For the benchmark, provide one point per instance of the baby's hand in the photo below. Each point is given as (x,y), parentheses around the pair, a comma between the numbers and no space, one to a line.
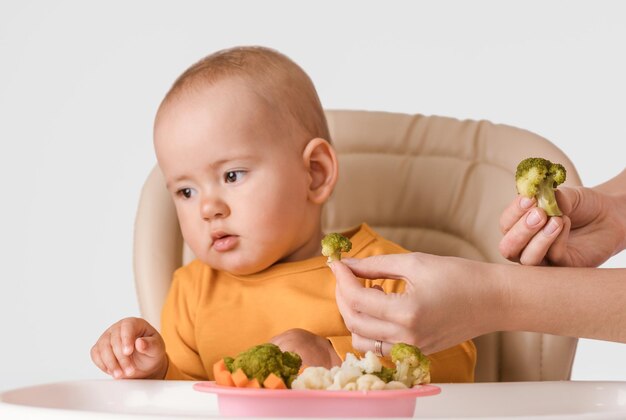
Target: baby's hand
(313,349)
(131,348)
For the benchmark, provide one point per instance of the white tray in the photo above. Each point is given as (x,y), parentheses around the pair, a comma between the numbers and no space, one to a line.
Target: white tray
(145,399)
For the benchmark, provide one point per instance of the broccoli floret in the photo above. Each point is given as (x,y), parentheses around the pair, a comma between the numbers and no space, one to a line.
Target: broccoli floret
(259,361)
(333,245)
(538,177)
(291,363)
(412,366)
(385,374)
(228,361)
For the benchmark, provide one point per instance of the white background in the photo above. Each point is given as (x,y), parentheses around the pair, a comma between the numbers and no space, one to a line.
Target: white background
(80,82)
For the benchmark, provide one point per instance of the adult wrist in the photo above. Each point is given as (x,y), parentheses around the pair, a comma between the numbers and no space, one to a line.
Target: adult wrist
(493,298)
(502,304)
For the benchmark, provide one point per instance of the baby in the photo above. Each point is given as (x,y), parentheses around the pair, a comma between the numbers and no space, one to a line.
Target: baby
(243,144)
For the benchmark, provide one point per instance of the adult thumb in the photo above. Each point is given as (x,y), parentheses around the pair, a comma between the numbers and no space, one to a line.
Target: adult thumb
(390,266)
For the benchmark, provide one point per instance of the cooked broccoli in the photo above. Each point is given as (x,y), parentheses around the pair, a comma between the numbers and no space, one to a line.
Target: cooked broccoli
(228,361)
(538,177)
(385,373)
(259,361)
(412,367)
(333,245)
(292,363)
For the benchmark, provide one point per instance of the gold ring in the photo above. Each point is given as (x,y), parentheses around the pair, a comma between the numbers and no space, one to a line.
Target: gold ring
(378,348)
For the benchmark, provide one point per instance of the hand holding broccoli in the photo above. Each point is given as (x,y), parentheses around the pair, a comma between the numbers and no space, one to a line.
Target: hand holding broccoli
(586,235)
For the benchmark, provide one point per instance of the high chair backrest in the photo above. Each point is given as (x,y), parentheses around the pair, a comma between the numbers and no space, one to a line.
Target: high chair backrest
(432,184)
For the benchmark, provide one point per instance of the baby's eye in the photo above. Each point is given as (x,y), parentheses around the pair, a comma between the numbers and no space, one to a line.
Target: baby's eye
(233,176)
(185,192)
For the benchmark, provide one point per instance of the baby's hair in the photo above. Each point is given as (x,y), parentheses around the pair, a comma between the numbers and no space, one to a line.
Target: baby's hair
(278,80)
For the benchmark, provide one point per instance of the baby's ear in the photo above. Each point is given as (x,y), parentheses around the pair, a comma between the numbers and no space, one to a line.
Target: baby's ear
(320,161)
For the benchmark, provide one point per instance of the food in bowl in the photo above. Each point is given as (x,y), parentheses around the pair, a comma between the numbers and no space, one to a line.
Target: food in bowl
(266,366)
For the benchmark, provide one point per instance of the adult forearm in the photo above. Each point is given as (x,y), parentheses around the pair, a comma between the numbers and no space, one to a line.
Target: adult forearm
(577,302)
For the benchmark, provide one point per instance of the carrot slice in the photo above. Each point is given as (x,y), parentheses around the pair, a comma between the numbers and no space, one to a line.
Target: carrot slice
(224,378)
(219,366)
(222,374)
(239,378)
(274,382)
(302,367)
(253,383)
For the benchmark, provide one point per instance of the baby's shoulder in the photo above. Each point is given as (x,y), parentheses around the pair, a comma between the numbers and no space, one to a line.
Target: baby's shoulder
(193,274)
(379,244)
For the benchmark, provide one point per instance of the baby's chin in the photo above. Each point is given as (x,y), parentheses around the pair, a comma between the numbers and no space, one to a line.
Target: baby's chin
(237,267)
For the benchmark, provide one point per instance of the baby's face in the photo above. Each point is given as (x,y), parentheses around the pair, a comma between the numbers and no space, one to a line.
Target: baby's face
(238,181)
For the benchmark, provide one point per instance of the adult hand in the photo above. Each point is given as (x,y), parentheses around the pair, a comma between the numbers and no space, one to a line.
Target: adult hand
(313,349)
(588,234)
(131,348)
(446,301)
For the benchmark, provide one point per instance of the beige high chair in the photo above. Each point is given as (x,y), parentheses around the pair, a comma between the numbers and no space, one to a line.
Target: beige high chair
(432,184)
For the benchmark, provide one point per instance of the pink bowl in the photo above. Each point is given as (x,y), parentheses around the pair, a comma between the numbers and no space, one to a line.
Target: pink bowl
(312,403)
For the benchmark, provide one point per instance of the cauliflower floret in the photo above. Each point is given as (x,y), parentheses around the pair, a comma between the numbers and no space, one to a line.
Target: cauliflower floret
(313,378)
(395,385)
(350,386)
(368,364)
(368,373)
(344,376)
(351,361)
(369,382)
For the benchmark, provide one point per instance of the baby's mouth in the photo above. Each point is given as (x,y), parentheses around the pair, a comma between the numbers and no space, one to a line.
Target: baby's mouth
(223,242)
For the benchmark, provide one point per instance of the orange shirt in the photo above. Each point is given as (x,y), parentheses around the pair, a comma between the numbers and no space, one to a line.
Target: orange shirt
(210,314)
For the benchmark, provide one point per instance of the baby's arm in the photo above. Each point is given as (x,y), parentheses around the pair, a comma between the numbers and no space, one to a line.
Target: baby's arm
(131,348)
(313,349)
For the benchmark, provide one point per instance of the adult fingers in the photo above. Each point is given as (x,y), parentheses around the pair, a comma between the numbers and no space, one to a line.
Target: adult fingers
(353,298)
(538,247)
(515,210)
(372,329)
(368,312)
(391,266)
(567,198)
(347,288)
(521,233)
(360,322)
(364,344)
(558,253)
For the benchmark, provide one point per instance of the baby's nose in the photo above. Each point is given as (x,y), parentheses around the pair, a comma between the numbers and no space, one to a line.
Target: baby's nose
(213,208)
